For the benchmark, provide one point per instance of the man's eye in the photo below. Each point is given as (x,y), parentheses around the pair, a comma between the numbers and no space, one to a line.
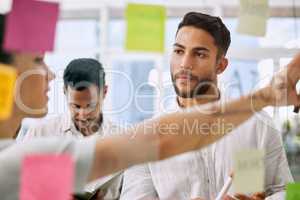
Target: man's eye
(75,106)
(39,60)
(92,106)
(201,55)
(178,51)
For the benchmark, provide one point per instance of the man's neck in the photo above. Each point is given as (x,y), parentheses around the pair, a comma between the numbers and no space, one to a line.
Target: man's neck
(190,102)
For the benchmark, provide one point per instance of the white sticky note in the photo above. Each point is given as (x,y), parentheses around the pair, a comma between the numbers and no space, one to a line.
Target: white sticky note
(253,16)
(249,171)
(5,6)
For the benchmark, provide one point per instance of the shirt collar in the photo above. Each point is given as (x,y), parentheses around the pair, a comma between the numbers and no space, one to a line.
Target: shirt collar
(178,106)
(69,126)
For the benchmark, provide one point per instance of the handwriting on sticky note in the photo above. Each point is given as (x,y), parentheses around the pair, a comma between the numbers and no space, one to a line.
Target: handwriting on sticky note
(253,17)
(47,177)
(249,171)
(31,26)
(145,27)
(8,75)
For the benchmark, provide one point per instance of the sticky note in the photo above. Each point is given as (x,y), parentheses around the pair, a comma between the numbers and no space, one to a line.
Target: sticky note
(253,17)
(249,171)
(31,26)
(5,6)
(47,177)
(8,75)
(293,191)
(145,28)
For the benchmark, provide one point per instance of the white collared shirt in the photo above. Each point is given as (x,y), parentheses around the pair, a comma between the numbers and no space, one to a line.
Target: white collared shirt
(203,173)
(63,125)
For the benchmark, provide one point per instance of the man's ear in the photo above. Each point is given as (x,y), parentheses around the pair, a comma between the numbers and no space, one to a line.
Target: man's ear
(222,63)
(105,88)
(65,90)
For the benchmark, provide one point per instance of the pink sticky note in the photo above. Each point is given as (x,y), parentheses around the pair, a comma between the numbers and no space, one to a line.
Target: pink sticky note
(47,177)
(31,26)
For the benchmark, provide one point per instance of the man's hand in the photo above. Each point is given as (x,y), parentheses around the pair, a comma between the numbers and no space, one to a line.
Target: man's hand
(255,196)
(282,89)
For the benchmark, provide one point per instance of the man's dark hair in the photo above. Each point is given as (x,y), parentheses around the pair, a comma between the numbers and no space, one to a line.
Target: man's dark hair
(82,73)
(211,24)
(5,57)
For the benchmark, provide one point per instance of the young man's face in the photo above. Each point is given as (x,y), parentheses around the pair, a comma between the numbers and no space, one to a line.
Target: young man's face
(32,84)
(194,64)
(86,108)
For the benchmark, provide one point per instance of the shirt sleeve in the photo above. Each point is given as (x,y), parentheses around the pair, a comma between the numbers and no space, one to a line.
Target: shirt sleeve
(11,158)
(277,169)
(138,184)
(27,134)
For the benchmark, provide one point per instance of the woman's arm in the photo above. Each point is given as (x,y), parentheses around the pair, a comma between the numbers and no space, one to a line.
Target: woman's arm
(176,133)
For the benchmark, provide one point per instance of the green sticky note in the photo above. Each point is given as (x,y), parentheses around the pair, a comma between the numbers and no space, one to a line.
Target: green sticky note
(253,16)
(293,191)
(249,171)
(145,28)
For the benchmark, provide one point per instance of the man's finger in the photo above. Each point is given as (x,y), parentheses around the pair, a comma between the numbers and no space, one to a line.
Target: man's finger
(293,68)
(242,197)
(258,196)
(295,60)
(229,197)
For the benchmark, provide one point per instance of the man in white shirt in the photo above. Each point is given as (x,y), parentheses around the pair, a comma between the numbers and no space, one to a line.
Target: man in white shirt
(198,58)
(85,90)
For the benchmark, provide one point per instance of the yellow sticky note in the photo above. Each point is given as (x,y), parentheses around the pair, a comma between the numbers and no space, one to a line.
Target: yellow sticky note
(253,16)
(8,76)
(145,28)
(249,171)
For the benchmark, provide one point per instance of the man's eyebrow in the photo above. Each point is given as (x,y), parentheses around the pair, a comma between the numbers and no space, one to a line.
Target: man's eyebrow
(178,45)
(201,49)
(195,48)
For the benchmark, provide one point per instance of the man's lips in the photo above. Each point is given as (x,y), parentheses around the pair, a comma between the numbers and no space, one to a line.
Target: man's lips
(184,77)
(84,123)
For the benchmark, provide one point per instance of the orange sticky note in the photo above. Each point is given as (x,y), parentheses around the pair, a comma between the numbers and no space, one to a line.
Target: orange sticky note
(47,177)
(8,76)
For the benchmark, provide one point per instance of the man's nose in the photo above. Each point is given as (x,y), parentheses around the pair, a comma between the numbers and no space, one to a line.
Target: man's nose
(82,114)
(186,62)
